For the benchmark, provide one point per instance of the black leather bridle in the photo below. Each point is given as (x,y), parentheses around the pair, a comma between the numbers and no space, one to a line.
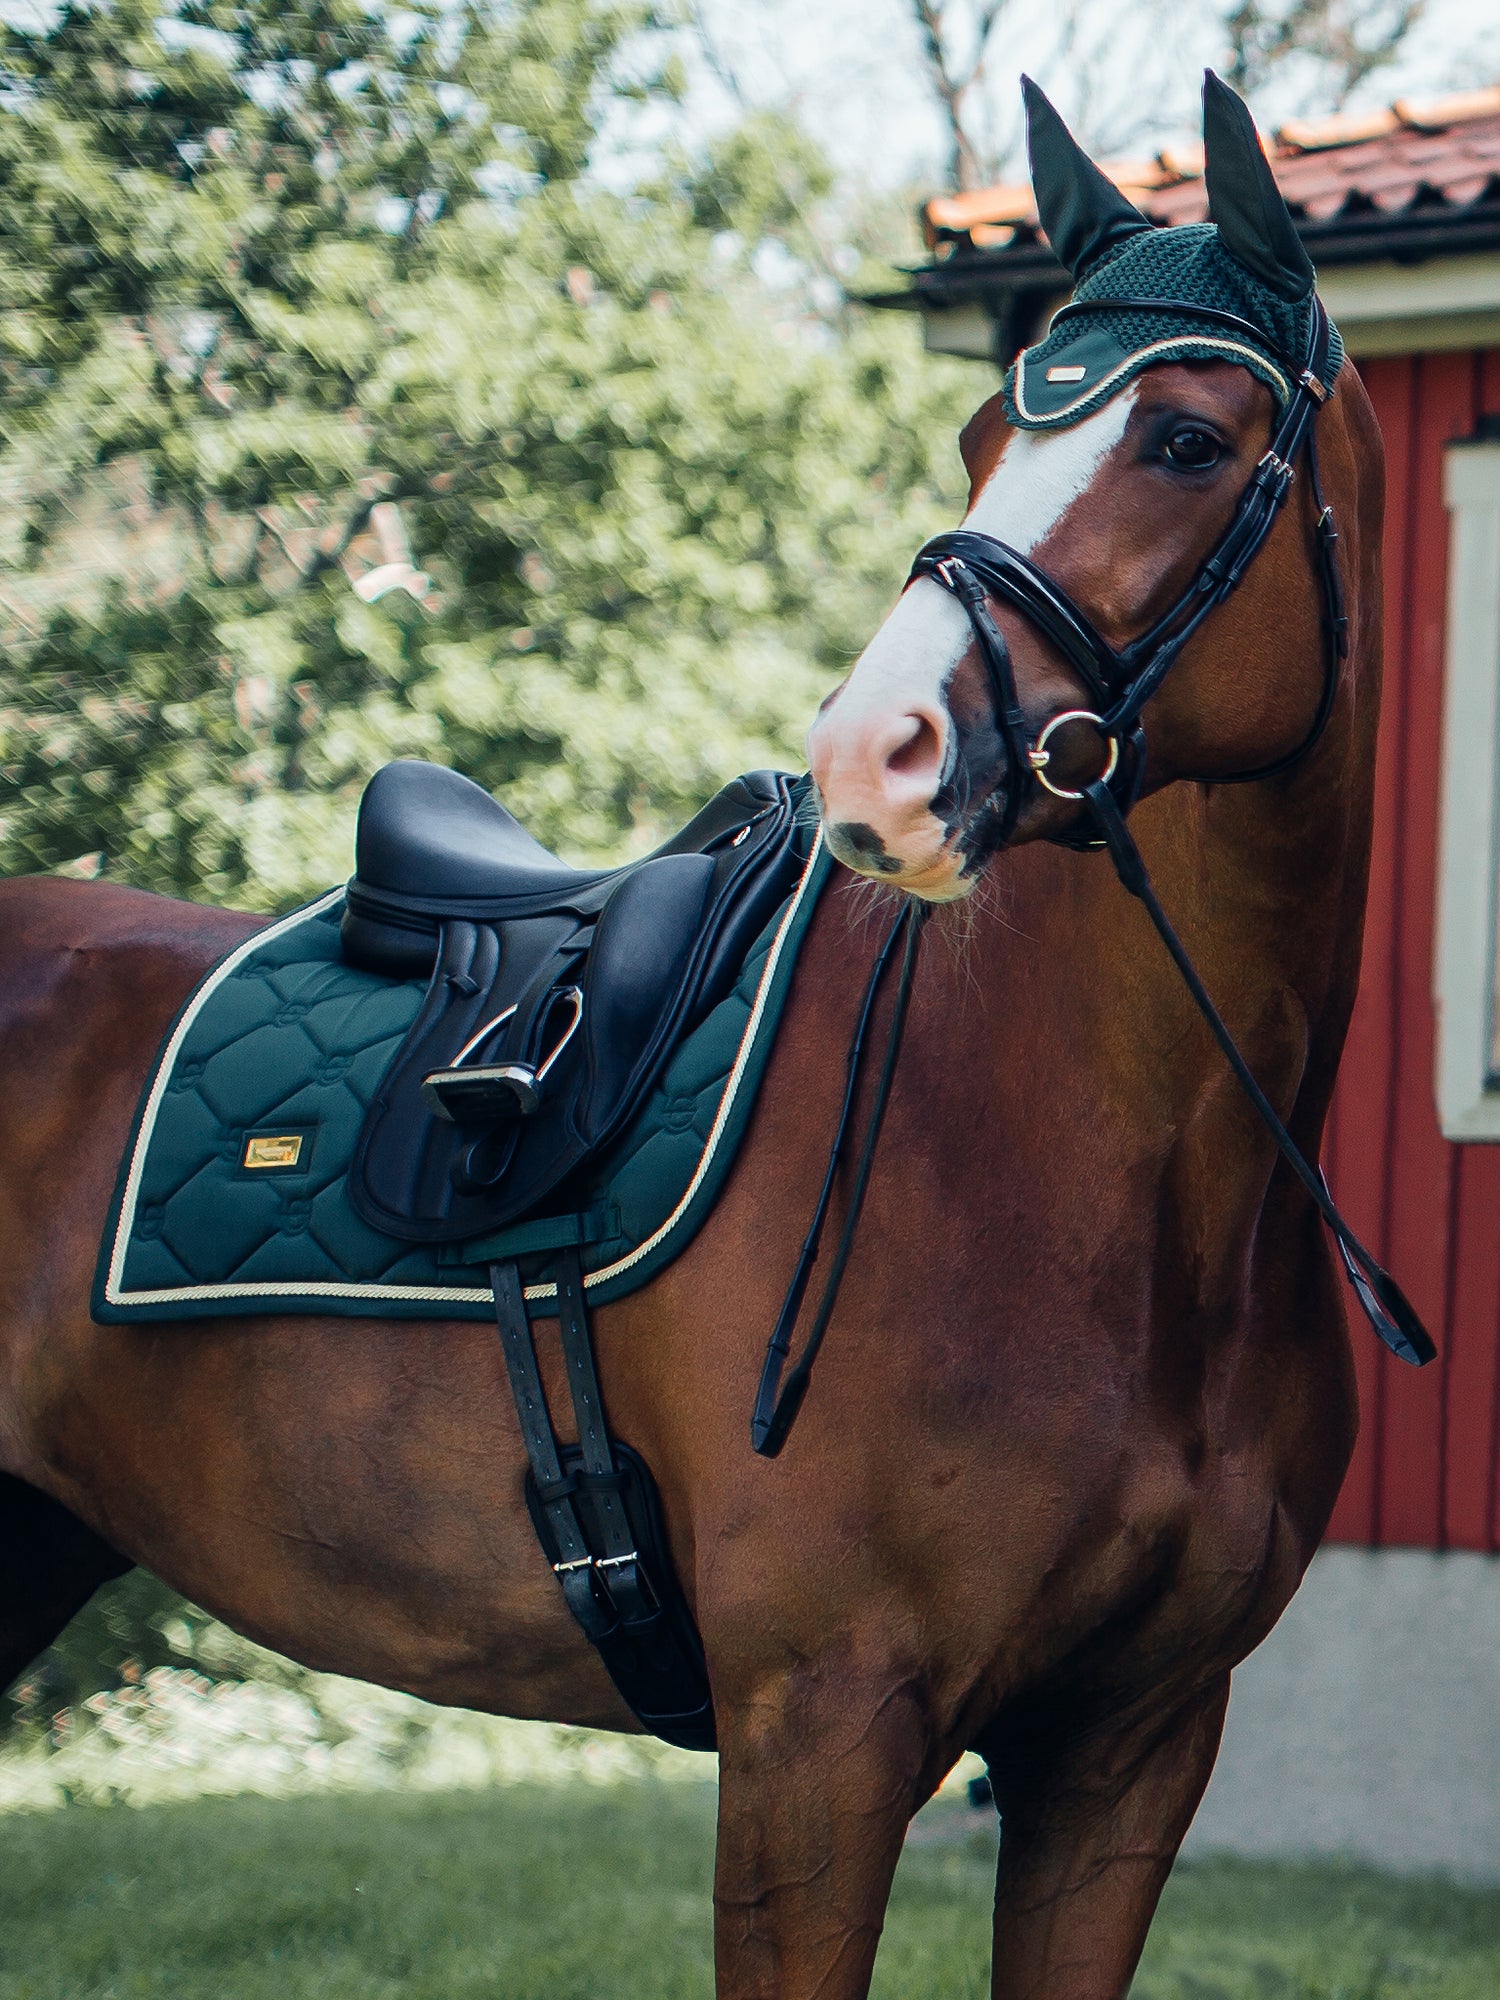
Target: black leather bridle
(975,568)
(1121,680)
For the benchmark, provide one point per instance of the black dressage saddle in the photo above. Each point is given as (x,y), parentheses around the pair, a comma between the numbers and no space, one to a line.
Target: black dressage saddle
(555,994)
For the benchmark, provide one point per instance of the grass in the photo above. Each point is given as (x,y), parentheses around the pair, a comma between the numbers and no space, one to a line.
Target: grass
(603,1894)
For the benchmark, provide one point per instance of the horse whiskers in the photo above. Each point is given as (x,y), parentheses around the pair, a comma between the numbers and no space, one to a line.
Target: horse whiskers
(871,905)
(956,927)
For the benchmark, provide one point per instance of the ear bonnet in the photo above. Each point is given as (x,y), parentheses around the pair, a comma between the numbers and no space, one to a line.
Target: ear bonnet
(1248,261)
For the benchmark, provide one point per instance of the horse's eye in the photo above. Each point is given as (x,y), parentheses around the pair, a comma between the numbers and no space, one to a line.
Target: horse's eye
(1192,449)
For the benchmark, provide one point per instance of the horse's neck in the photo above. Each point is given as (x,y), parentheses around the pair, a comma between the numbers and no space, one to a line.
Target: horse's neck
(1093,1055)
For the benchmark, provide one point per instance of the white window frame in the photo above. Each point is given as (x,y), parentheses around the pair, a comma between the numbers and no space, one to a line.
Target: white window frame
(1465,965)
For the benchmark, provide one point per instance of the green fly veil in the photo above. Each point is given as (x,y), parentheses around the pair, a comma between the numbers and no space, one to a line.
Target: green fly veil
(1247,260)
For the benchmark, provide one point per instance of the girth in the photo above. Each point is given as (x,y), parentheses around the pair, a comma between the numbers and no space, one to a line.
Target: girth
(596,1513)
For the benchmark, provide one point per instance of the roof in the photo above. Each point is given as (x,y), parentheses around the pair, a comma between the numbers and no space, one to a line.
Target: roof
(1363,170)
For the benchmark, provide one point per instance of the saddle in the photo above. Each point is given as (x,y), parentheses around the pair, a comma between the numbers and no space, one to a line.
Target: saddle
(555,994)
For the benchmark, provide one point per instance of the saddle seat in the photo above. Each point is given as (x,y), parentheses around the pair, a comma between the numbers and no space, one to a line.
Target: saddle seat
(429,833)
(432,845)
(556,994)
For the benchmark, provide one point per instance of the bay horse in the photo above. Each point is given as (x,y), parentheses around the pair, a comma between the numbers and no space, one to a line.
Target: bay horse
(1087,1398)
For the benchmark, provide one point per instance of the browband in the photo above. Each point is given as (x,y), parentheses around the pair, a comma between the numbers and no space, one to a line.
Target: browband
(1182,309)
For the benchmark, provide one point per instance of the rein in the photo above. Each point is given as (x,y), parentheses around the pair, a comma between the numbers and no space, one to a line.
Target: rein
(974,567)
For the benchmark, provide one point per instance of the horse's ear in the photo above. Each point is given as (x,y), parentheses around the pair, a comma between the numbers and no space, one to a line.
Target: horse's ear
(1084,213)
(1255,224)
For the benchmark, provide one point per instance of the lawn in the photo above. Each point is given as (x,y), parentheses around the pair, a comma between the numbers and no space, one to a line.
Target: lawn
(602,1894)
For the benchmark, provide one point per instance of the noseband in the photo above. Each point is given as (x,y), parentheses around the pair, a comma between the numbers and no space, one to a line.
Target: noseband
(976,567)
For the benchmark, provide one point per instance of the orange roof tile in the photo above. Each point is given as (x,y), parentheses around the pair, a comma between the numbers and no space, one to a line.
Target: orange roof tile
(1434,153)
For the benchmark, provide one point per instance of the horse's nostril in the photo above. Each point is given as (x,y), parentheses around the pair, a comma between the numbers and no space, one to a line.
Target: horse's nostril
(920,751)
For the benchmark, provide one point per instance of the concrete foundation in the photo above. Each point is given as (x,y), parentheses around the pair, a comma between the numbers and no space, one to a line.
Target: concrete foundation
(1368,1724)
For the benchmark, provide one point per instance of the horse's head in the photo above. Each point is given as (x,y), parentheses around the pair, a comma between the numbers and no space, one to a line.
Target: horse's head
(1126,452)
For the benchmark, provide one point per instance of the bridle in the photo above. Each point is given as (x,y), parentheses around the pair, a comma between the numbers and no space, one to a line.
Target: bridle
(1121,680)
(976,567)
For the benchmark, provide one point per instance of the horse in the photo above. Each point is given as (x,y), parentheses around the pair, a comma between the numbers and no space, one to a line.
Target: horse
(1087,1396)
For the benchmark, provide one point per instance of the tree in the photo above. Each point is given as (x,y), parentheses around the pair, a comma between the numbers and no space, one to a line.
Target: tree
(1125,82)
(377,427)
(1338,42)
(958,81)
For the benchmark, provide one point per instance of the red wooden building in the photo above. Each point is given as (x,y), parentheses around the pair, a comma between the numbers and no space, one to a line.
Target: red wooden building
(1401,212)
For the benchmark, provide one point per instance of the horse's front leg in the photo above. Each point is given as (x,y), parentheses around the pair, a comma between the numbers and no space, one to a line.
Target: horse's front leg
(1087,1842)
(820,1770)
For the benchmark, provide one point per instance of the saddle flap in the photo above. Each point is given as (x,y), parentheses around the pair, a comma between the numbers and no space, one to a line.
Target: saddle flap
(640,953)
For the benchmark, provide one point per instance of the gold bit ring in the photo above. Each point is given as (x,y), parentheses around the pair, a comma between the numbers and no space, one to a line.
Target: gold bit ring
(1038,756)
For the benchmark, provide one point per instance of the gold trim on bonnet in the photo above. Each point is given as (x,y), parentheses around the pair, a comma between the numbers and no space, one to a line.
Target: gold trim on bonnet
(1132,361)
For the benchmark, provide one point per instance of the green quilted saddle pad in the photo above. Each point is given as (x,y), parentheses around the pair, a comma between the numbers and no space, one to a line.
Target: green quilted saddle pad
(276,1057)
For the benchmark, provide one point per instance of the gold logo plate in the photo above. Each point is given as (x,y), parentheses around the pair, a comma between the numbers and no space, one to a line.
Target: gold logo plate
(282,1150)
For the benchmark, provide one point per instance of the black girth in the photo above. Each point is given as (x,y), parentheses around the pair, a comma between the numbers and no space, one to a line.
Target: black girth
(975,568)
(596,1513)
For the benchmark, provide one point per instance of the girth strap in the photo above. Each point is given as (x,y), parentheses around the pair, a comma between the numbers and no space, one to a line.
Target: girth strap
(1386,1306)
(595,1508)
(619,1566)
(556,1490)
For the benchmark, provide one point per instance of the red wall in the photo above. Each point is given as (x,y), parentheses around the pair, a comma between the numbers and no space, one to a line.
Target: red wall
(1425,1469)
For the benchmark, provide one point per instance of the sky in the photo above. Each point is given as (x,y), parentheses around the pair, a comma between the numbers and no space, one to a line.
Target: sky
(1127,70)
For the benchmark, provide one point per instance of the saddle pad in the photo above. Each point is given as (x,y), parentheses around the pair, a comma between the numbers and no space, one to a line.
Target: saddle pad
(232,1198)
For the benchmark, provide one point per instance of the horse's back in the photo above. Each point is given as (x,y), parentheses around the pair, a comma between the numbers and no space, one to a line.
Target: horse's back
(91,976)
(51,929)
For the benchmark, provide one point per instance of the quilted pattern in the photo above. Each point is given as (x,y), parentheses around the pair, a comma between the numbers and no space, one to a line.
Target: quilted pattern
(291,1037)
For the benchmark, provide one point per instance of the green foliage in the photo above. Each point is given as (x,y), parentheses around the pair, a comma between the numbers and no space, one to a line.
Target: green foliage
(761,179)
(124,1632)
(120,1635)
(292,300)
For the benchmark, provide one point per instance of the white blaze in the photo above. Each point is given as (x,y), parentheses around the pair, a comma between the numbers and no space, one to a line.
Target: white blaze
(1040,474)
(1036,479)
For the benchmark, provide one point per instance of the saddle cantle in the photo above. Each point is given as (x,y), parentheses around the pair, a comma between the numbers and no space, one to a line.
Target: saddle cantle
(556,994)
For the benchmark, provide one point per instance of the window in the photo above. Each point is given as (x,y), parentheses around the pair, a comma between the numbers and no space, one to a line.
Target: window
(1467,971)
